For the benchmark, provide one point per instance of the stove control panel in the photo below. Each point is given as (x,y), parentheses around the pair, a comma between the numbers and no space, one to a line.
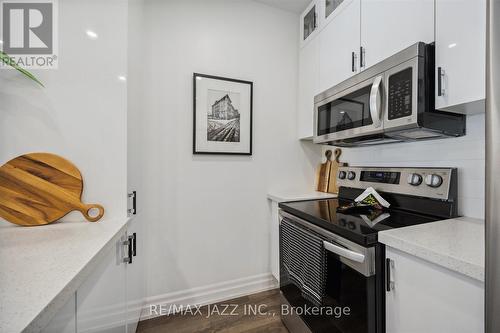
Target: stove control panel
(426,182)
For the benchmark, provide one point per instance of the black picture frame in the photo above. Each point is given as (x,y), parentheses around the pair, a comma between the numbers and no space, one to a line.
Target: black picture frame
(250,83)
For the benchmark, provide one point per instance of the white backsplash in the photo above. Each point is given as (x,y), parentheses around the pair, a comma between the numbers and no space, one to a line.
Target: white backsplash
(466,153)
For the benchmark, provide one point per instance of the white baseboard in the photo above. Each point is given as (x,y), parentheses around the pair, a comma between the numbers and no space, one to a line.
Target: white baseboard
(209,294)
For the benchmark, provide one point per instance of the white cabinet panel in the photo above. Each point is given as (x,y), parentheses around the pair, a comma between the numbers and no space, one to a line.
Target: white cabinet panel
(101,303)
(275,240)
(429,298)
(65,320)
(337,42)
(460,51)
(136,282)
(308,87)
(389,26)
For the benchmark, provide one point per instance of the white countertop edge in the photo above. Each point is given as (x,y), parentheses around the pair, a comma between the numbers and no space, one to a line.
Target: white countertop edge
(451,262)
(35,322)
(297,195)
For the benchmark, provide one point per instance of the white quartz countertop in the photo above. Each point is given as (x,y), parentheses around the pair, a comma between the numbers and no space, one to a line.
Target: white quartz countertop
(297,195)
(41,267)
(456,244)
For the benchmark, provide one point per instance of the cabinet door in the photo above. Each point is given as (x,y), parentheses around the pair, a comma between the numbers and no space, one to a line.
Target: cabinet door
(136,283)
(101,305)
(308,87)
(65,319)
(429,298)
(309,22)
(338,40)
(388,27)
(460,51)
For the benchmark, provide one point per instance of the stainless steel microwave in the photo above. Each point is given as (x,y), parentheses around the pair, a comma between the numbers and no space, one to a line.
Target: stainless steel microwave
(391,101)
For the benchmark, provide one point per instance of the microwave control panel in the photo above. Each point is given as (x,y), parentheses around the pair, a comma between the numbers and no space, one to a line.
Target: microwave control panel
(400,94)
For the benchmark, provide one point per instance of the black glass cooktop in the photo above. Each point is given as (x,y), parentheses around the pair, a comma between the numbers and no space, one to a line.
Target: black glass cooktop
(359,227)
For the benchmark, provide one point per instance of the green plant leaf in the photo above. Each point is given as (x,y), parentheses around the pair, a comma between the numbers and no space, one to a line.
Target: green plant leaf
(6,59)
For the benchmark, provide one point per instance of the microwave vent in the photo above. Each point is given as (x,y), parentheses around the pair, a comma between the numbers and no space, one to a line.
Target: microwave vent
(418,134)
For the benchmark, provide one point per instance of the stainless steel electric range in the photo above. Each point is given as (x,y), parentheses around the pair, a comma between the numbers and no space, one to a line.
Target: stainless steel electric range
(332,268)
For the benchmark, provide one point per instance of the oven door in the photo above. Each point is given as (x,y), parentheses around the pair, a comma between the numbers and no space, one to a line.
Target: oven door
(354,112)
(350,300)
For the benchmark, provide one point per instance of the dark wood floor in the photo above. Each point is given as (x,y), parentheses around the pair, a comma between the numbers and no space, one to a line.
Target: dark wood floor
(244,318)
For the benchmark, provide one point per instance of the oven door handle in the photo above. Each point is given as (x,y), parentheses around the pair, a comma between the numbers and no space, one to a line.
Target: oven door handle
(343,252)
(375,102)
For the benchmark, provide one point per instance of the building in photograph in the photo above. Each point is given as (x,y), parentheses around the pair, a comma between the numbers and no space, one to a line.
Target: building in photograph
(224,109)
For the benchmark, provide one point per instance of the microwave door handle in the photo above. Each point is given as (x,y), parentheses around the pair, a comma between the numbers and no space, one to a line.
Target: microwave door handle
(375,103)
(348,254)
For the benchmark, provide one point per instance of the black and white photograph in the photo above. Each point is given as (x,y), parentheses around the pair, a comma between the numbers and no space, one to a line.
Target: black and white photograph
(222,115)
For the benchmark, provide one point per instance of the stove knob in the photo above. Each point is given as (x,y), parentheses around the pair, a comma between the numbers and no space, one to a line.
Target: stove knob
(351,175)
(342,174)
(434,180)
(414,179)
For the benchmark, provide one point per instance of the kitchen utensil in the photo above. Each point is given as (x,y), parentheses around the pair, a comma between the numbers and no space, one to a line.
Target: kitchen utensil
(334,169)
(323,173)
(40,188)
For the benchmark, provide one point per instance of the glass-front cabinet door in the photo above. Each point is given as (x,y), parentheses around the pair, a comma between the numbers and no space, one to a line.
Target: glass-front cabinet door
(330,6)
(309,22)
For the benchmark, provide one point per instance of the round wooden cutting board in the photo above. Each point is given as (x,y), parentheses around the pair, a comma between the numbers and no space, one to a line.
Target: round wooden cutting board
(40,188)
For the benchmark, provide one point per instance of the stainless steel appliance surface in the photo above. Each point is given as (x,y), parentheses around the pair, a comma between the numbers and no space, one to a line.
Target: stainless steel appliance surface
(492,230)
(354,273)
(391,101)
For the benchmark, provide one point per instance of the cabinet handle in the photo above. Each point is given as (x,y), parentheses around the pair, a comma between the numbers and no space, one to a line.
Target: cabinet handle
(353,62)
(134,243)
(440,81)
(361,57)
(128,242)
(389,285)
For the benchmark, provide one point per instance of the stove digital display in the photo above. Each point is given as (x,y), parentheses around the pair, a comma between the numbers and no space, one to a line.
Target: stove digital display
(380,177)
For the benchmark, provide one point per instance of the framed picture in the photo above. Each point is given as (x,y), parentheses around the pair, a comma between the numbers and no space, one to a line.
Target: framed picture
(222,115)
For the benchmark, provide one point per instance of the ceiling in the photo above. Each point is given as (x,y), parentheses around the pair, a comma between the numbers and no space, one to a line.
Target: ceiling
(296,6)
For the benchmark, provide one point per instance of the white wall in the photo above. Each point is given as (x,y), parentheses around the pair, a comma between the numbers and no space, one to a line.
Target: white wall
(81,112)
(207,216)
(465,153)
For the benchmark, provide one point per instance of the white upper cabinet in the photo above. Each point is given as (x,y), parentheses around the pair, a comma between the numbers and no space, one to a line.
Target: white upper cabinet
(339,45)
(389,26)
(308,87)
(460,54)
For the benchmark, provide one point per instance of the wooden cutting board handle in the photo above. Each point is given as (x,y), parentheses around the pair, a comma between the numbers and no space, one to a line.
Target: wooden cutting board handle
(323,173)
(40,188)
(334,169)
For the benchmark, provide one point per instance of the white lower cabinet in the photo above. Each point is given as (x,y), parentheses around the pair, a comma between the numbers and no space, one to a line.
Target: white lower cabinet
(275,240)
(136,282)
(429,298)
(65,320)
(111,298)
(101,299)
